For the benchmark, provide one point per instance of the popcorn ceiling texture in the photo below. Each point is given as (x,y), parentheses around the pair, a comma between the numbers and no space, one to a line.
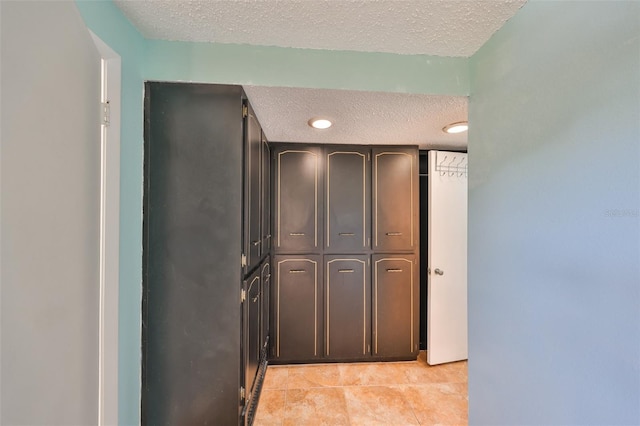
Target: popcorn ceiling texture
(359,117)
(430,27)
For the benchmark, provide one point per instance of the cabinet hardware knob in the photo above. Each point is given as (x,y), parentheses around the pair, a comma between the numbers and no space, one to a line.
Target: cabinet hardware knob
(345,270)
(256,243)
(394,234)
(346,234)
(439,271)
(296,234)
(297,271)
(394,270)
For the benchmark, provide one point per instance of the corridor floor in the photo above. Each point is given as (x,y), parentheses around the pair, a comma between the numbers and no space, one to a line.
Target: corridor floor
(390,393)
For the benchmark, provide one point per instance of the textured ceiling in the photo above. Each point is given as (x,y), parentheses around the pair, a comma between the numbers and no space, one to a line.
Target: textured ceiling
(358,117)
(431,27)
(456,28)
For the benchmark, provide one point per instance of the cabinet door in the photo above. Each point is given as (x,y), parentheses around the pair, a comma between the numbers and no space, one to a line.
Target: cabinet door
(266,197)
(252,330)
(298,305)
(264,314)
(395,305)
(347,313)
(298,194)
(347,200)
(395,199)
(252,218)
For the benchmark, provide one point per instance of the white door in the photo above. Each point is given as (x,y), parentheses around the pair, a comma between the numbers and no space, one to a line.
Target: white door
(447,258)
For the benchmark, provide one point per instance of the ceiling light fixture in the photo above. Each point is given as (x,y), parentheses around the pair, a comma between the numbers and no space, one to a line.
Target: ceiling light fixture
(320,123)
(459,127)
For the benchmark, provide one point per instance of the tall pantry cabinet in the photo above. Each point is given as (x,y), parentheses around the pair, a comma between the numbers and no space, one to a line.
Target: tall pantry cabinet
(206,255)
(346,238)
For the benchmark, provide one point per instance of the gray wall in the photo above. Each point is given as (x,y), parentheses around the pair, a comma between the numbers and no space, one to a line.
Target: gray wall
(49,175)
(554,213)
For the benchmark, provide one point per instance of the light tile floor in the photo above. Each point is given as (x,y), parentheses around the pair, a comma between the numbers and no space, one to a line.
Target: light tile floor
(386,393)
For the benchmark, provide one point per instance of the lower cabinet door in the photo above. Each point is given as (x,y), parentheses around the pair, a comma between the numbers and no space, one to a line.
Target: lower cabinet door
(252,341)
(297,300)
(347,314)
(395,305)
(264,315)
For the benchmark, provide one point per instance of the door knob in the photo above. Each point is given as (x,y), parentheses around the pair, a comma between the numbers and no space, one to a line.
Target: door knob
(439,271)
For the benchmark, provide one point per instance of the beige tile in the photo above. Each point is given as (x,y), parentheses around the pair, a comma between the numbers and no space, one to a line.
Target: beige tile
(438,403)
(372,374)
(378,405)
(312,376)
(422,373)
(270,408)
(276,377)
(316,406)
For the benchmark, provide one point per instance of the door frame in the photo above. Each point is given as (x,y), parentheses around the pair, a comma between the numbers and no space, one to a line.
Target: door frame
(111,67)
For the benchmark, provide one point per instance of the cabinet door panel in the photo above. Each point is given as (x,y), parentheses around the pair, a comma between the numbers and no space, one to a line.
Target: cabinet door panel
(394,199)
(395,305)
(252,217)
(298,187)
(298,304)
(347,198)
(252,341)
(266,197)
(347,306)
(265,293)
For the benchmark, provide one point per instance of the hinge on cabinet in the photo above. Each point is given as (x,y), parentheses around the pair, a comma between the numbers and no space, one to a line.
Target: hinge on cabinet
(243,295)
(243,260)
(245,111)
(242,395)
(105,113)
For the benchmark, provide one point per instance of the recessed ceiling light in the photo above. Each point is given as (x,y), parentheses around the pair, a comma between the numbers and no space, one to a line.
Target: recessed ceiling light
(459,127)
(320,123)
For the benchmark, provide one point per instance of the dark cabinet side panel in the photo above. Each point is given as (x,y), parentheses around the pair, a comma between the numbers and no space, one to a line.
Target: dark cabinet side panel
(192,245)
(347,313)
(253,195)
(298,307)
(298,213)
(347,199)
(395,199)
(395,305)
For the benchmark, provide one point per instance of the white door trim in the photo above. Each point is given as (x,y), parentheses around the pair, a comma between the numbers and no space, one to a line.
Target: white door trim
(109,237)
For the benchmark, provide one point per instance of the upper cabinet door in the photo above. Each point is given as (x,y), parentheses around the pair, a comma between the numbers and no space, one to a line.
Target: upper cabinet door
(395,198)
(252,218)
(348,215)
(266,197)
(298,213)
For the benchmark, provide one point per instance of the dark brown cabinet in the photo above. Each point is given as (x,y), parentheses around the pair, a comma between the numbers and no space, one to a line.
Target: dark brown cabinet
(203,288)
(395,199)
(252,305)
(265,206)
(298,303)
(193,318)
(347,199)
(265,294)
(395,305)
(298,195)
(347,315)
(253,190)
